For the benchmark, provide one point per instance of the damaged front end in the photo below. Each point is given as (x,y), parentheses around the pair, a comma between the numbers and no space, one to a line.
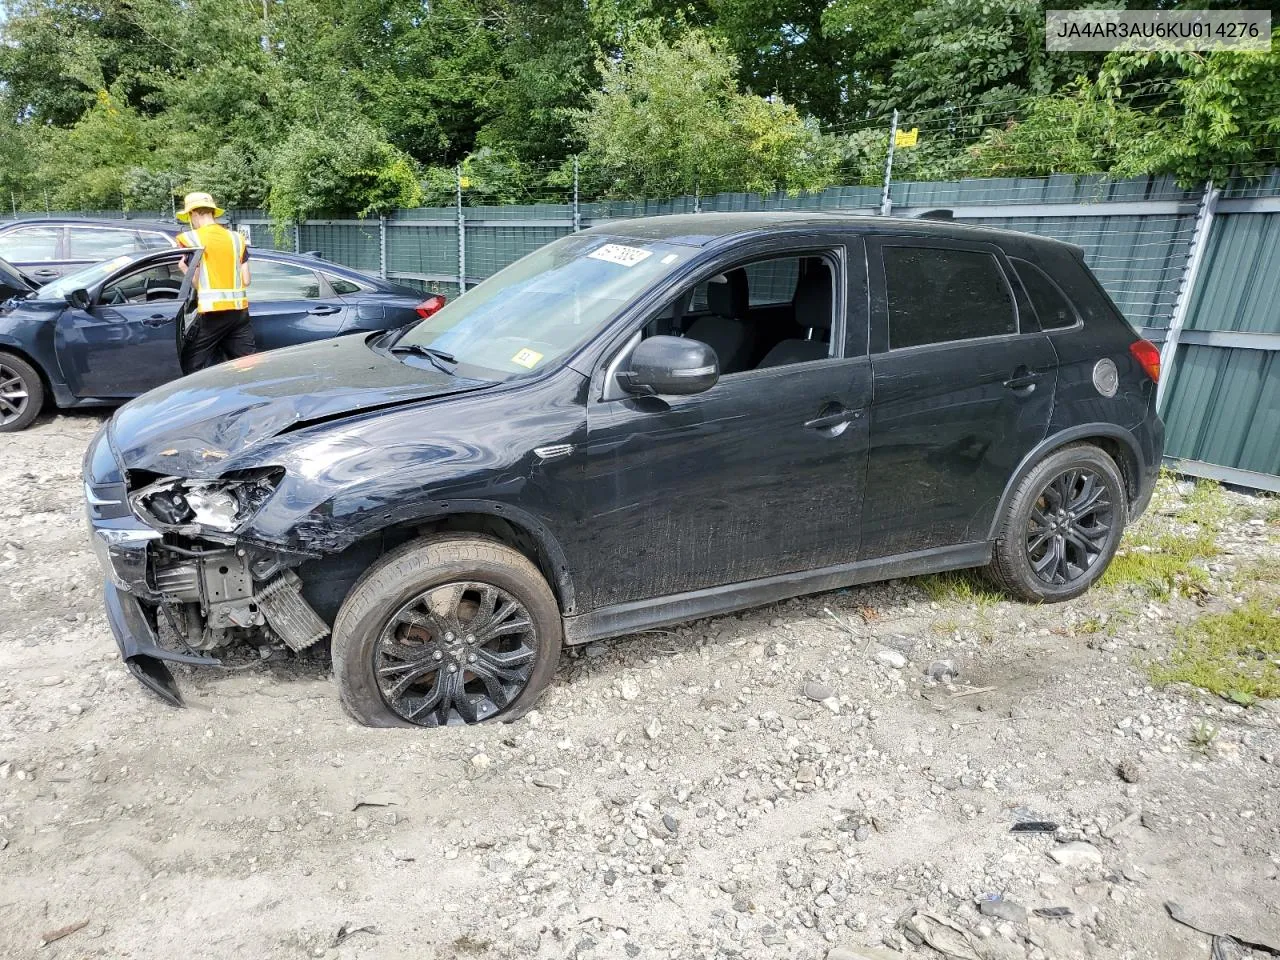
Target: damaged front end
(192,568)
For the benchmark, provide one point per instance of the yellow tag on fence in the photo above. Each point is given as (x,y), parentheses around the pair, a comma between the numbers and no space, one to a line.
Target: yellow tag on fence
(907,138)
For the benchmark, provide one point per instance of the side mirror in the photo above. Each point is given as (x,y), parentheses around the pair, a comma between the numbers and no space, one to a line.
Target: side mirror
(79,299)
(673,366)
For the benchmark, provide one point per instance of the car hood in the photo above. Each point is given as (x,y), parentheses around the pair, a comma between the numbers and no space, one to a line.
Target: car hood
(206,423)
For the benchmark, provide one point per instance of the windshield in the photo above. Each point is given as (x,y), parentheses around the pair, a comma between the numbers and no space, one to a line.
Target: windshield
(526,317)
(84,279)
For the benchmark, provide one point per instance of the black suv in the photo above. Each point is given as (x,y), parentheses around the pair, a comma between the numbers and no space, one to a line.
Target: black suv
(639,424)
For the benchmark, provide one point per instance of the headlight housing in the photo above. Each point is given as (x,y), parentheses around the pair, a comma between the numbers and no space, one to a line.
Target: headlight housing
(221,506)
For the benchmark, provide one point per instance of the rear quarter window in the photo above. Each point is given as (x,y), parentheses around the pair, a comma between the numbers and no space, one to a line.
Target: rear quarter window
(1052,307)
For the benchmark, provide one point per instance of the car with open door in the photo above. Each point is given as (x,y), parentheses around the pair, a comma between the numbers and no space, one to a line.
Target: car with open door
(638,424)
(110,332)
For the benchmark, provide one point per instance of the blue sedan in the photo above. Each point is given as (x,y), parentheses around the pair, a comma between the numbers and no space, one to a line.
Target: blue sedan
(110,332)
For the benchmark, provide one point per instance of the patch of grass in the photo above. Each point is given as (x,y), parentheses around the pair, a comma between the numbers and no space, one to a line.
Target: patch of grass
(1163,564)
(1207,506)
(1203,735)
(1090,625)
(945,627)
(960,586)
(1235,655)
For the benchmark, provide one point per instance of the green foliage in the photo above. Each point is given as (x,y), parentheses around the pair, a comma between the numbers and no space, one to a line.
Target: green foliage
(961,586)
(314,172)
(670,119)
(1219,115)
(1235,655)
(123,103)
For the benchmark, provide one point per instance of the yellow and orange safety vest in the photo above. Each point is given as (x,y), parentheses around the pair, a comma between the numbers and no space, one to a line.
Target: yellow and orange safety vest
(218,281)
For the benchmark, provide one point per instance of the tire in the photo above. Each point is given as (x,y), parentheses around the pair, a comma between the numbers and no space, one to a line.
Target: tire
(17,377)
(391,635)
(1086,539)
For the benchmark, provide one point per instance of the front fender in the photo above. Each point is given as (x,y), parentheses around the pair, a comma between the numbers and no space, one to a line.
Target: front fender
(32,339)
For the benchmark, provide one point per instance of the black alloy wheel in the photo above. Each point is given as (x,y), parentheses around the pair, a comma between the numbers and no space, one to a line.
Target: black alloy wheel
(1069,527)
(1061,525)
(458,653)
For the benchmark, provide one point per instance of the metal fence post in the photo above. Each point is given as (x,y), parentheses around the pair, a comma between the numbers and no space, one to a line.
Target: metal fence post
(462,232)
(382,246)
(1186,290)
(297,237)
(697,197)
(886,203)
(577,213)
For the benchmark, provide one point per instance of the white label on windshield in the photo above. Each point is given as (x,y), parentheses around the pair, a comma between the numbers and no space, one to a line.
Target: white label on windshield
(527,358)
(618,253)
(670,258)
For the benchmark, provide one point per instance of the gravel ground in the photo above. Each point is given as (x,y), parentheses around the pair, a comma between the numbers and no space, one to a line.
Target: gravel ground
(786,782)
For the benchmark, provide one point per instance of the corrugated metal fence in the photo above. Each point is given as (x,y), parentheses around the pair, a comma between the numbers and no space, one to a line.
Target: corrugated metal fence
(1197,270)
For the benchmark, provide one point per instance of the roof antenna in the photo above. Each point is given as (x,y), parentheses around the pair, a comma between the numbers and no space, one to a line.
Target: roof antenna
(942,213)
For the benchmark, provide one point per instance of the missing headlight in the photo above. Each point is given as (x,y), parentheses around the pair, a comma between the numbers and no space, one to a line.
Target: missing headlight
(220,505)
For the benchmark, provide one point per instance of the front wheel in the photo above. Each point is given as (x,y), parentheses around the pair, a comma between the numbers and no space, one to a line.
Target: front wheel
(21,393)
(1061,527)
(448,630)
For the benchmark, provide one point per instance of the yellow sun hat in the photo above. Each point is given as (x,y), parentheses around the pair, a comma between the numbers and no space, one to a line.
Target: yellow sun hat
(198,200)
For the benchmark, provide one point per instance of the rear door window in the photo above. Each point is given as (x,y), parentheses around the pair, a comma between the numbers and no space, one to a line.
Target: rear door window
(101,243)
(272,280)
(941,294)
(30,244)
(1052,306)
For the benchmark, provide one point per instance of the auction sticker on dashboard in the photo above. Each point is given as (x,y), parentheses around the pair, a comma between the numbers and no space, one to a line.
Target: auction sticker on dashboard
(527,358)
(619,253)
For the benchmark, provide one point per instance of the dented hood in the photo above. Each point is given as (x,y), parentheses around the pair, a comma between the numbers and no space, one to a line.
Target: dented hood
(196,426)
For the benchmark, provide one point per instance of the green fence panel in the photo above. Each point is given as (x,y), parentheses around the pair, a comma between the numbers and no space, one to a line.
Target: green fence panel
(1224,408)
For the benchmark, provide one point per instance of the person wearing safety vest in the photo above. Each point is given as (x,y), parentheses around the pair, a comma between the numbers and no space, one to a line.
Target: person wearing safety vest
(222,331)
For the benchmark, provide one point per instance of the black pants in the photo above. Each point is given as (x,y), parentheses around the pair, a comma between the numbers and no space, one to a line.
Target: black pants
(221,335)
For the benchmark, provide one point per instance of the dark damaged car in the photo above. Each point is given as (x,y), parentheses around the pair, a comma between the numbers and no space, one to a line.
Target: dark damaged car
(111,331)
(636,425)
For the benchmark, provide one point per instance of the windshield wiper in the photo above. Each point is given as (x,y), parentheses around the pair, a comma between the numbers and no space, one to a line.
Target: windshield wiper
(438,358)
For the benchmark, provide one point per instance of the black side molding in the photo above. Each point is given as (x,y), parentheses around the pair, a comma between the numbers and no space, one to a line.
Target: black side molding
(637,615)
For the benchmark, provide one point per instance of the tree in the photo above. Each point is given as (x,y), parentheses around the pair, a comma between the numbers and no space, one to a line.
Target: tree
(1194,116)
(312,172)
(670,119)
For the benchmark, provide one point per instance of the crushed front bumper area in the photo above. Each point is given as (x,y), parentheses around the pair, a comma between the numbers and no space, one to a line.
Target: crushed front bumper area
(141,649)
(213,596)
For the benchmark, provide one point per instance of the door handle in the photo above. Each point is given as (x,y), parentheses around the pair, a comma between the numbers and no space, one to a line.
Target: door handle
(1023,381)
(324,311)
(44,273)
(157,320)
(833,416)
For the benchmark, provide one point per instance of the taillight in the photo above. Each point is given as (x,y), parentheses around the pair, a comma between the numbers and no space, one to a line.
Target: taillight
(1148,356)
(429,306)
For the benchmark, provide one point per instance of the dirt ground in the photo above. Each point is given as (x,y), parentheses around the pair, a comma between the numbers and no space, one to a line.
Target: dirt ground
(684,793)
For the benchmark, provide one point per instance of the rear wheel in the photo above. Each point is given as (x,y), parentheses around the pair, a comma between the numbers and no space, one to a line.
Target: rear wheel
(451,630)
(1061,527)
(21,393)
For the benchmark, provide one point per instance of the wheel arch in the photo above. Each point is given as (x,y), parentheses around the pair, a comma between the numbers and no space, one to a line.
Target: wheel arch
(509,525)
(1115,441)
